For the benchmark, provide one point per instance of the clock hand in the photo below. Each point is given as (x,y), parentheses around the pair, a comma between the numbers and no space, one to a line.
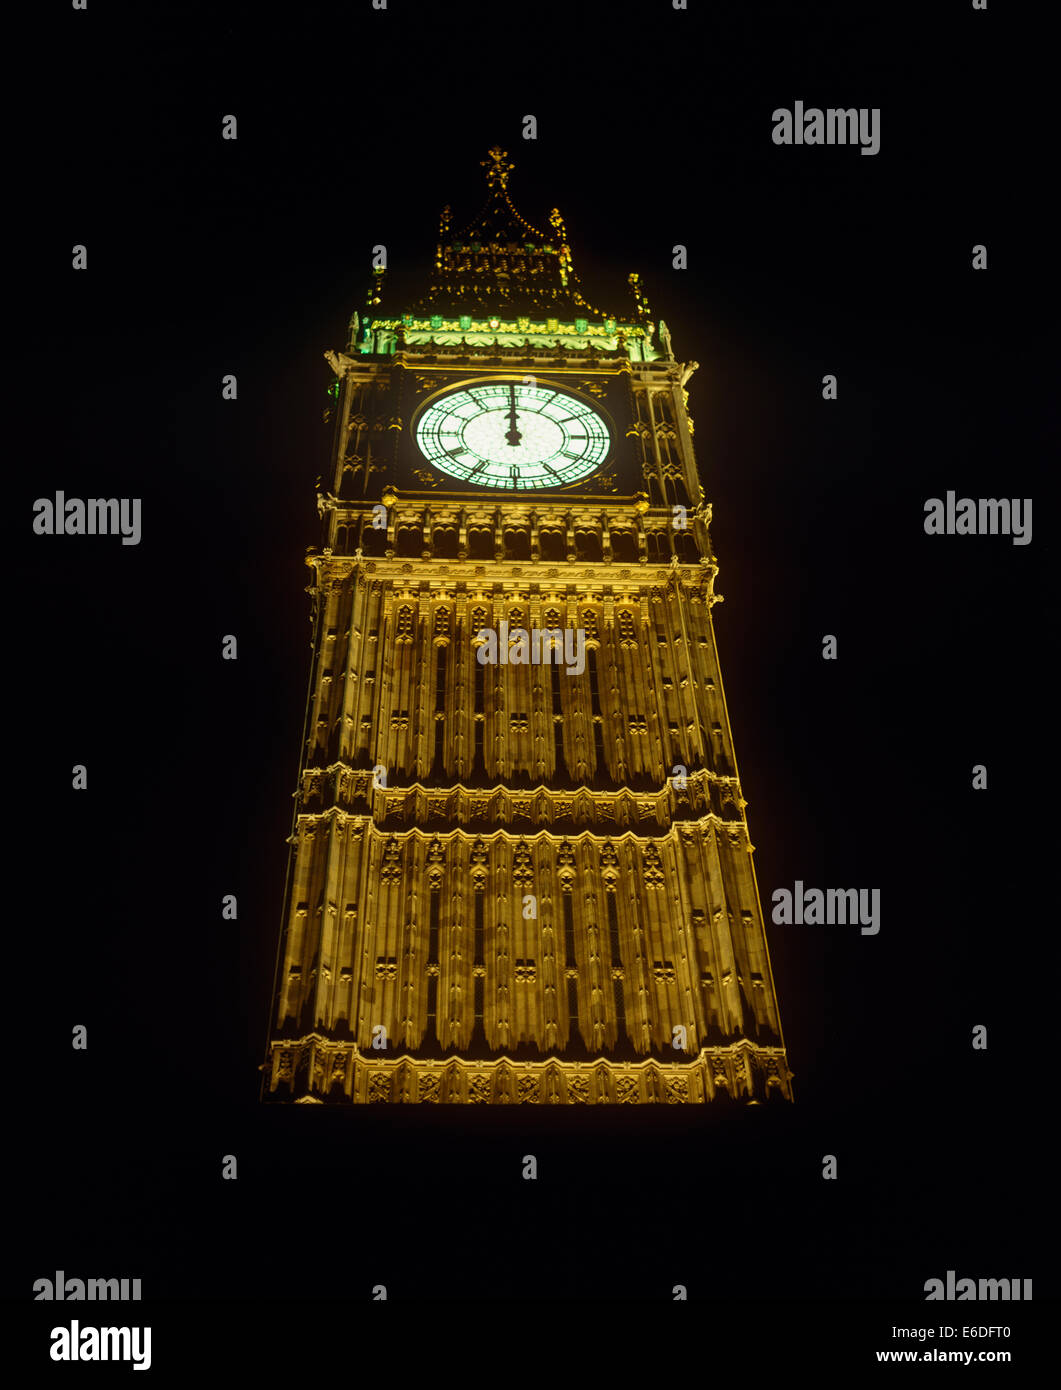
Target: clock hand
(512,434)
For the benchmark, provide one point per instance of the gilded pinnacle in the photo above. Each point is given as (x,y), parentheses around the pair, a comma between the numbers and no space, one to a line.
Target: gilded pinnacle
(498,167)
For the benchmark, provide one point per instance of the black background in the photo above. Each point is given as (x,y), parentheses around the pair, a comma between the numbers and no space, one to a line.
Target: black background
(208,257)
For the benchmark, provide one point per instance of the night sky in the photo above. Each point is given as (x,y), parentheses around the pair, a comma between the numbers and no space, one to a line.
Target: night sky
(209,257)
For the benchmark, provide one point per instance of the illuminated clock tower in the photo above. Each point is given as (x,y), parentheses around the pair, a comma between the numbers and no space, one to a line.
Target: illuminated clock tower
(520,867)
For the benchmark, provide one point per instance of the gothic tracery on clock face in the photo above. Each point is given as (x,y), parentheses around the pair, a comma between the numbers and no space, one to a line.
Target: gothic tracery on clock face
(513,435)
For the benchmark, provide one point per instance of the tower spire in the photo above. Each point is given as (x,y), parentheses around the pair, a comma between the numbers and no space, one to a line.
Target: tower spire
(498,166)
(501,263)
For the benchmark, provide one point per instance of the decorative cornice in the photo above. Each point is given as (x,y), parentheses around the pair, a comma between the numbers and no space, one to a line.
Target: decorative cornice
(341,1071)
(522,572)
(670,830)
(696,777)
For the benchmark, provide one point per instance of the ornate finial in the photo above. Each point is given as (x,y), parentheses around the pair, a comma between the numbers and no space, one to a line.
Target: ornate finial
(372,298)
(497,167)
(634,281)
(443,222)
(557,224)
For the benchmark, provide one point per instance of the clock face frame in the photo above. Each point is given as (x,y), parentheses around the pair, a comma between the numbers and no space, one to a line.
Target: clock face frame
(504,434)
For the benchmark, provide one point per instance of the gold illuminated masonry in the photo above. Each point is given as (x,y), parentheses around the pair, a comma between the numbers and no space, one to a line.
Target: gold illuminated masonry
(516,881)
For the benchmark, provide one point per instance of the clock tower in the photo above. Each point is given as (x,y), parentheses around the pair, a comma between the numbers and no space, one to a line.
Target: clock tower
(520,867)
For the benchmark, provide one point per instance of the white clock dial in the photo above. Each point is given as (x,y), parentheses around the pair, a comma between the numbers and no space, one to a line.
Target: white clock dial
(506,434)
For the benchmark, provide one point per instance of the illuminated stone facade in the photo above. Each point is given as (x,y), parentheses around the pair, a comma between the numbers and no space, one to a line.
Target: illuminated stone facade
(517,882)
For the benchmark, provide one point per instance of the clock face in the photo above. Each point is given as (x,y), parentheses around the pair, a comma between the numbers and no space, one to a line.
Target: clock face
(507,434)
